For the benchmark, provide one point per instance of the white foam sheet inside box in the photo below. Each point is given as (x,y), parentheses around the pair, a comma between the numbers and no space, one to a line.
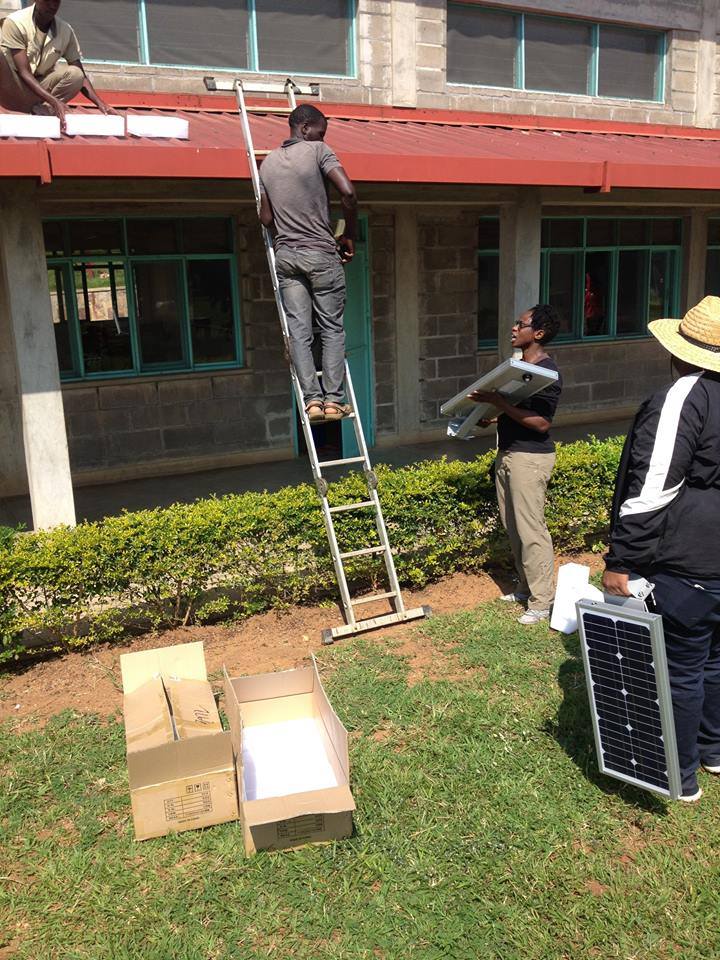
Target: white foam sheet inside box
(165,128)
(94,125)
(25,126)
(284,758)
(573,584)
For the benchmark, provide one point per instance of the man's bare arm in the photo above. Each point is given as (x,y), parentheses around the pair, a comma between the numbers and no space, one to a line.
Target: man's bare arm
(22,65)
(266,215)
(88,90)
(342,183)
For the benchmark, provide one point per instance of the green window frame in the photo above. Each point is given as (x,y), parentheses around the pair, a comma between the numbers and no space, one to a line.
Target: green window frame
(712,258)
(595,67)
(249,62)
(613,250)
(488,265)
(70,271)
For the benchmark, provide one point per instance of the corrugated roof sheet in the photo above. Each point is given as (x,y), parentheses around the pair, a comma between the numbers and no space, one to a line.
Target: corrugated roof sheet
(383,150)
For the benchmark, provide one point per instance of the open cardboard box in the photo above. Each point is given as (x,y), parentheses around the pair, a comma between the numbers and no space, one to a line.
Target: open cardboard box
(180,760)
(291,756)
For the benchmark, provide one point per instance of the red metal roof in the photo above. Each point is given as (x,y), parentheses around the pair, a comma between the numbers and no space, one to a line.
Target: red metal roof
(387,145)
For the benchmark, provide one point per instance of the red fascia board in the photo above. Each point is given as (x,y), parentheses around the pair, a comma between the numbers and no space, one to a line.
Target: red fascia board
(663,176)
(412,168)
(141,160)
(25,160)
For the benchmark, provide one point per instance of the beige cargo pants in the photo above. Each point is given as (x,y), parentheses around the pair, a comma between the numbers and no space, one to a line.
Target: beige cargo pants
(521,481)
(63,82)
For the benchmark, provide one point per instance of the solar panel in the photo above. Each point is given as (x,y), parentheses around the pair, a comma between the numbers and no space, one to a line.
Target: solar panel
(514,379)
(629,691)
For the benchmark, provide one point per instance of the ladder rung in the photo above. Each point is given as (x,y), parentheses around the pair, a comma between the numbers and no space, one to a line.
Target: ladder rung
(377,596)
(258,109)
(362,553)
(339,463)
(352,506)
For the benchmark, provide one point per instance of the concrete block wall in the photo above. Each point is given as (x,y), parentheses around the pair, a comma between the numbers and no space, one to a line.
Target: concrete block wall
(447,289)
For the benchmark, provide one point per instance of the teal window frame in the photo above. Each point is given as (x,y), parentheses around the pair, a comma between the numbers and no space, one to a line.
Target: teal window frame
(710,248)
(672,293)
(487,253)
(253,65)
(68,265)
(594,60)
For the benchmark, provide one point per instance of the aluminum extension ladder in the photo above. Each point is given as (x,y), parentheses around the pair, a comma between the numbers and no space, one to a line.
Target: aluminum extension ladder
(399,613)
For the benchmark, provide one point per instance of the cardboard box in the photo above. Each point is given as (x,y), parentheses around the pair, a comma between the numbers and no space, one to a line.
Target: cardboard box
(291,756)
(180,760)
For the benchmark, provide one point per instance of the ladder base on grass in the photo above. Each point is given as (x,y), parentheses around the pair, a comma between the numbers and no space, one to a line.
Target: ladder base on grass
(331,634)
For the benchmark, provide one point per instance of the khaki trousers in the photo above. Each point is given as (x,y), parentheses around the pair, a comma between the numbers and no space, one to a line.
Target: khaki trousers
(521,481)
(63,82)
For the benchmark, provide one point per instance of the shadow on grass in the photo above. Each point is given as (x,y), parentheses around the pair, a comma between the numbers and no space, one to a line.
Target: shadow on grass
(573,730)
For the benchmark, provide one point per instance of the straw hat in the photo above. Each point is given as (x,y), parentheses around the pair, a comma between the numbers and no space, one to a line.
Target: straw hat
(696,338)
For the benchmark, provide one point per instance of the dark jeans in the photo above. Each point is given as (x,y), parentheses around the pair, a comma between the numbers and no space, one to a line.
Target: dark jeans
(691,622)
(312,283)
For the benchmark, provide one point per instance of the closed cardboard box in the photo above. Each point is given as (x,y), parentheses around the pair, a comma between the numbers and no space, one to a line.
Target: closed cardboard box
(291,757)
(180,760)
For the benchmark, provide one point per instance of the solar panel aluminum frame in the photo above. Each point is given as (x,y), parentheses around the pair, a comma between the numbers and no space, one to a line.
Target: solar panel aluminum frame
(653,623)
(516,380)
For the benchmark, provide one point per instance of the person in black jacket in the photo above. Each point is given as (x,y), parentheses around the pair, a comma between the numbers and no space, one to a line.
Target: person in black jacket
(666,527)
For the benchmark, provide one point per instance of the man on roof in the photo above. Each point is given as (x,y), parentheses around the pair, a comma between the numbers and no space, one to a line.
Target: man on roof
(33,41)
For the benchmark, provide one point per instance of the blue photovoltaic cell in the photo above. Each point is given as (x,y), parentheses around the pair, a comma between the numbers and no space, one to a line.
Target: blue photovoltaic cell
(624,685)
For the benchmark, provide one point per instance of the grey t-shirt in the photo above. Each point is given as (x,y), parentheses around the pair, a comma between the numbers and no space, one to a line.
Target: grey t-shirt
(294,177)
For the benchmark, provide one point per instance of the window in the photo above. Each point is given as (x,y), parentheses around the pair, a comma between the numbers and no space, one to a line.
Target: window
(136,296)
(488,280)
(609,278)
(712,262)
(497,48)
(315,37)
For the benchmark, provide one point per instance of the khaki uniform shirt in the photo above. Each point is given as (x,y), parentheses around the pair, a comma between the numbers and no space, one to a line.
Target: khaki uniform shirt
(20,32)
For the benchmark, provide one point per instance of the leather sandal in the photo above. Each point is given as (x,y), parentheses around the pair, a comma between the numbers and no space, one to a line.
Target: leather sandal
(336,411)
(315,411)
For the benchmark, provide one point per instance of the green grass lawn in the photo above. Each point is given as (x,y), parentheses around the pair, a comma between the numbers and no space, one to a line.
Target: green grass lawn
(483,830)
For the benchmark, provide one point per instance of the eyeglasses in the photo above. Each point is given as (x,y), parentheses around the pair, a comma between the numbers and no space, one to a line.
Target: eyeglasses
(522,326)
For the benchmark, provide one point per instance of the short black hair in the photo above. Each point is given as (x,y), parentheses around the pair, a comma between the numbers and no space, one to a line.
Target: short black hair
(305,113)
(546,318)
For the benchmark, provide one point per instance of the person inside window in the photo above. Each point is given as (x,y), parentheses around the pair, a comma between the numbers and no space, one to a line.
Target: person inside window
(524,463)
(33,42)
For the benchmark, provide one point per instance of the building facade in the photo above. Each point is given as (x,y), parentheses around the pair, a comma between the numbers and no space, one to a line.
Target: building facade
(138,335)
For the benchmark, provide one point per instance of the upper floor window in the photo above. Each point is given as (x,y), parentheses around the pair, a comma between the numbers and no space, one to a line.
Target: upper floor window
(139,296)
(501,48)
(261,36)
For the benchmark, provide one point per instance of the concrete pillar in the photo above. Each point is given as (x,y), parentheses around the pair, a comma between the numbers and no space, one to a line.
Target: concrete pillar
(407,322)
(705,77)
(519,262)
(695,257)
(404,54)
(27,302)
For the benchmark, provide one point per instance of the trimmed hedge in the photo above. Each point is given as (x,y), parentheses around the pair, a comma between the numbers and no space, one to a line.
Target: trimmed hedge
(231,557)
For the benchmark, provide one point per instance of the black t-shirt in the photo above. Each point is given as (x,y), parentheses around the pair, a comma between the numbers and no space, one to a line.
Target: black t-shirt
(513,436)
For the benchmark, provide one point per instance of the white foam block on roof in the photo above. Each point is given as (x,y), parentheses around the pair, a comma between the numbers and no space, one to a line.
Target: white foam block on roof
(94,125)
(284,758)
(168,128)
(25,125)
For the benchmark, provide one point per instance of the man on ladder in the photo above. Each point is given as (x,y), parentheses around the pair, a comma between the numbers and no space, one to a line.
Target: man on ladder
(295,206)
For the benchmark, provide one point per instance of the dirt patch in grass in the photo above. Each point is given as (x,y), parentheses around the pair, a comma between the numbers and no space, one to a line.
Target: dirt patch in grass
(89,681)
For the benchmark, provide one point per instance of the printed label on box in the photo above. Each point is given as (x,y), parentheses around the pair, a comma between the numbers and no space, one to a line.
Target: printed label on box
(300,828)
(196,801)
